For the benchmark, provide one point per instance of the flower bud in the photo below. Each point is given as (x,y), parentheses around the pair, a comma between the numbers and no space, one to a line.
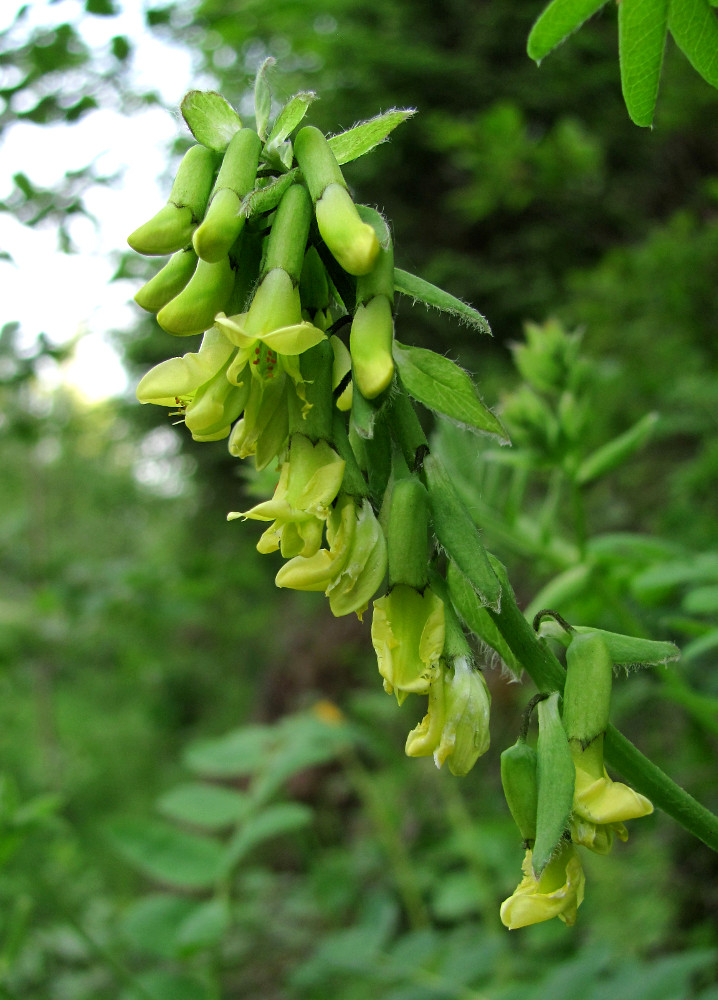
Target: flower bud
(205,295)
(370,344)
(518,778)
(168,282)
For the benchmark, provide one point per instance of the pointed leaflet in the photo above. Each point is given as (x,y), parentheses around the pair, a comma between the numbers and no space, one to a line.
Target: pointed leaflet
(357,141)
(178,858)
(437,298)
(615,452)
(557,22)
(210,119)
(262,98)
(290,116)
(694,27)
(442,386)
(477,618)
(266,198)
(458,535)
(642,29)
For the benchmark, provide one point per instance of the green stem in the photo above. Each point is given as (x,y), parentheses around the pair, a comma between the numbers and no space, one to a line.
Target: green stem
(548,675)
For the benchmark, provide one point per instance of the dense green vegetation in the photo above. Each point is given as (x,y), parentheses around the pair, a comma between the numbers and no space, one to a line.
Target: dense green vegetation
(158,690)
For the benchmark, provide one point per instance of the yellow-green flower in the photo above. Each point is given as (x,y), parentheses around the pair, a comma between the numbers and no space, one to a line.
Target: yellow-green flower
(197,385)
(557,893)
(351,568)
(407,632)
(601,807)
(456,726)
(272,334)
(309,481)
(174,382)
(264,428)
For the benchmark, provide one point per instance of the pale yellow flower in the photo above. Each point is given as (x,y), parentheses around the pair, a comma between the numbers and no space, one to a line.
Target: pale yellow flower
(557,893)
(407,632)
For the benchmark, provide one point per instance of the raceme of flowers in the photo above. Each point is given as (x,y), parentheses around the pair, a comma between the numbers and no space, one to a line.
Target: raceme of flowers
(291,286)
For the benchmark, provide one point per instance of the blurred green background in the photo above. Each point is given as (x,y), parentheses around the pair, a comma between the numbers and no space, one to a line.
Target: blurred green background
(139,630)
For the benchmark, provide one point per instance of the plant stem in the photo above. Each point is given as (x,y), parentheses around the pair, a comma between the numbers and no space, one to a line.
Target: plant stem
(548,675)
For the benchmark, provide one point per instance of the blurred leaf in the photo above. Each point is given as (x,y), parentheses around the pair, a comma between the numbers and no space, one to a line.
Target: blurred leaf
(613,454)
(209,806)
(204,927)
(172,856)
(121,47)
(101,8)
(160,985)
(151,923)
(701,601)
(273,821)
(233,755)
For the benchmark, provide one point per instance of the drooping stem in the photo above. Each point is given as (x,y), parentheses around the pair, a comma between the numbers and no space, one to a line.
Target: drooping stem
(645,776)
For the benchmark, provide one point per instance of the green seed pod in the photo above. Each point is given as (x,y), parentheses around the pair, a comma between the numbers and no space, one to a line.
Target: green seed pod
(206,294)
(556,778)
(587,693)
(224,221)
(518,777)
(408,534)
(172,227)
(168,282)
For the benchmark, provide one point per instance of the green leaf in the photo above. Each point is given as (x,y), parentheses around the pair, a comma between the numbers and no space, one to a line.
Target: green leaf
(208,806)
(609,456)
(477,618)
(264,199)
(237,753)
(204,927)
(262,98)
(694,27)
(361,139)
(289,117)
(423,291)
(210,119)
(151,923)
(157,984)
(458,534)
(557,22)
(556,776)
(642,30)
(701,601)
(175,857)
(285,817)
(442,386)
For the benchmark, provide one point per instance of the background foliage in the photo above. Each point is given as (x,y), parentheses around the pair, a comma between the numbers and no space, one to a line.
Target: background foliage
(149,848)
